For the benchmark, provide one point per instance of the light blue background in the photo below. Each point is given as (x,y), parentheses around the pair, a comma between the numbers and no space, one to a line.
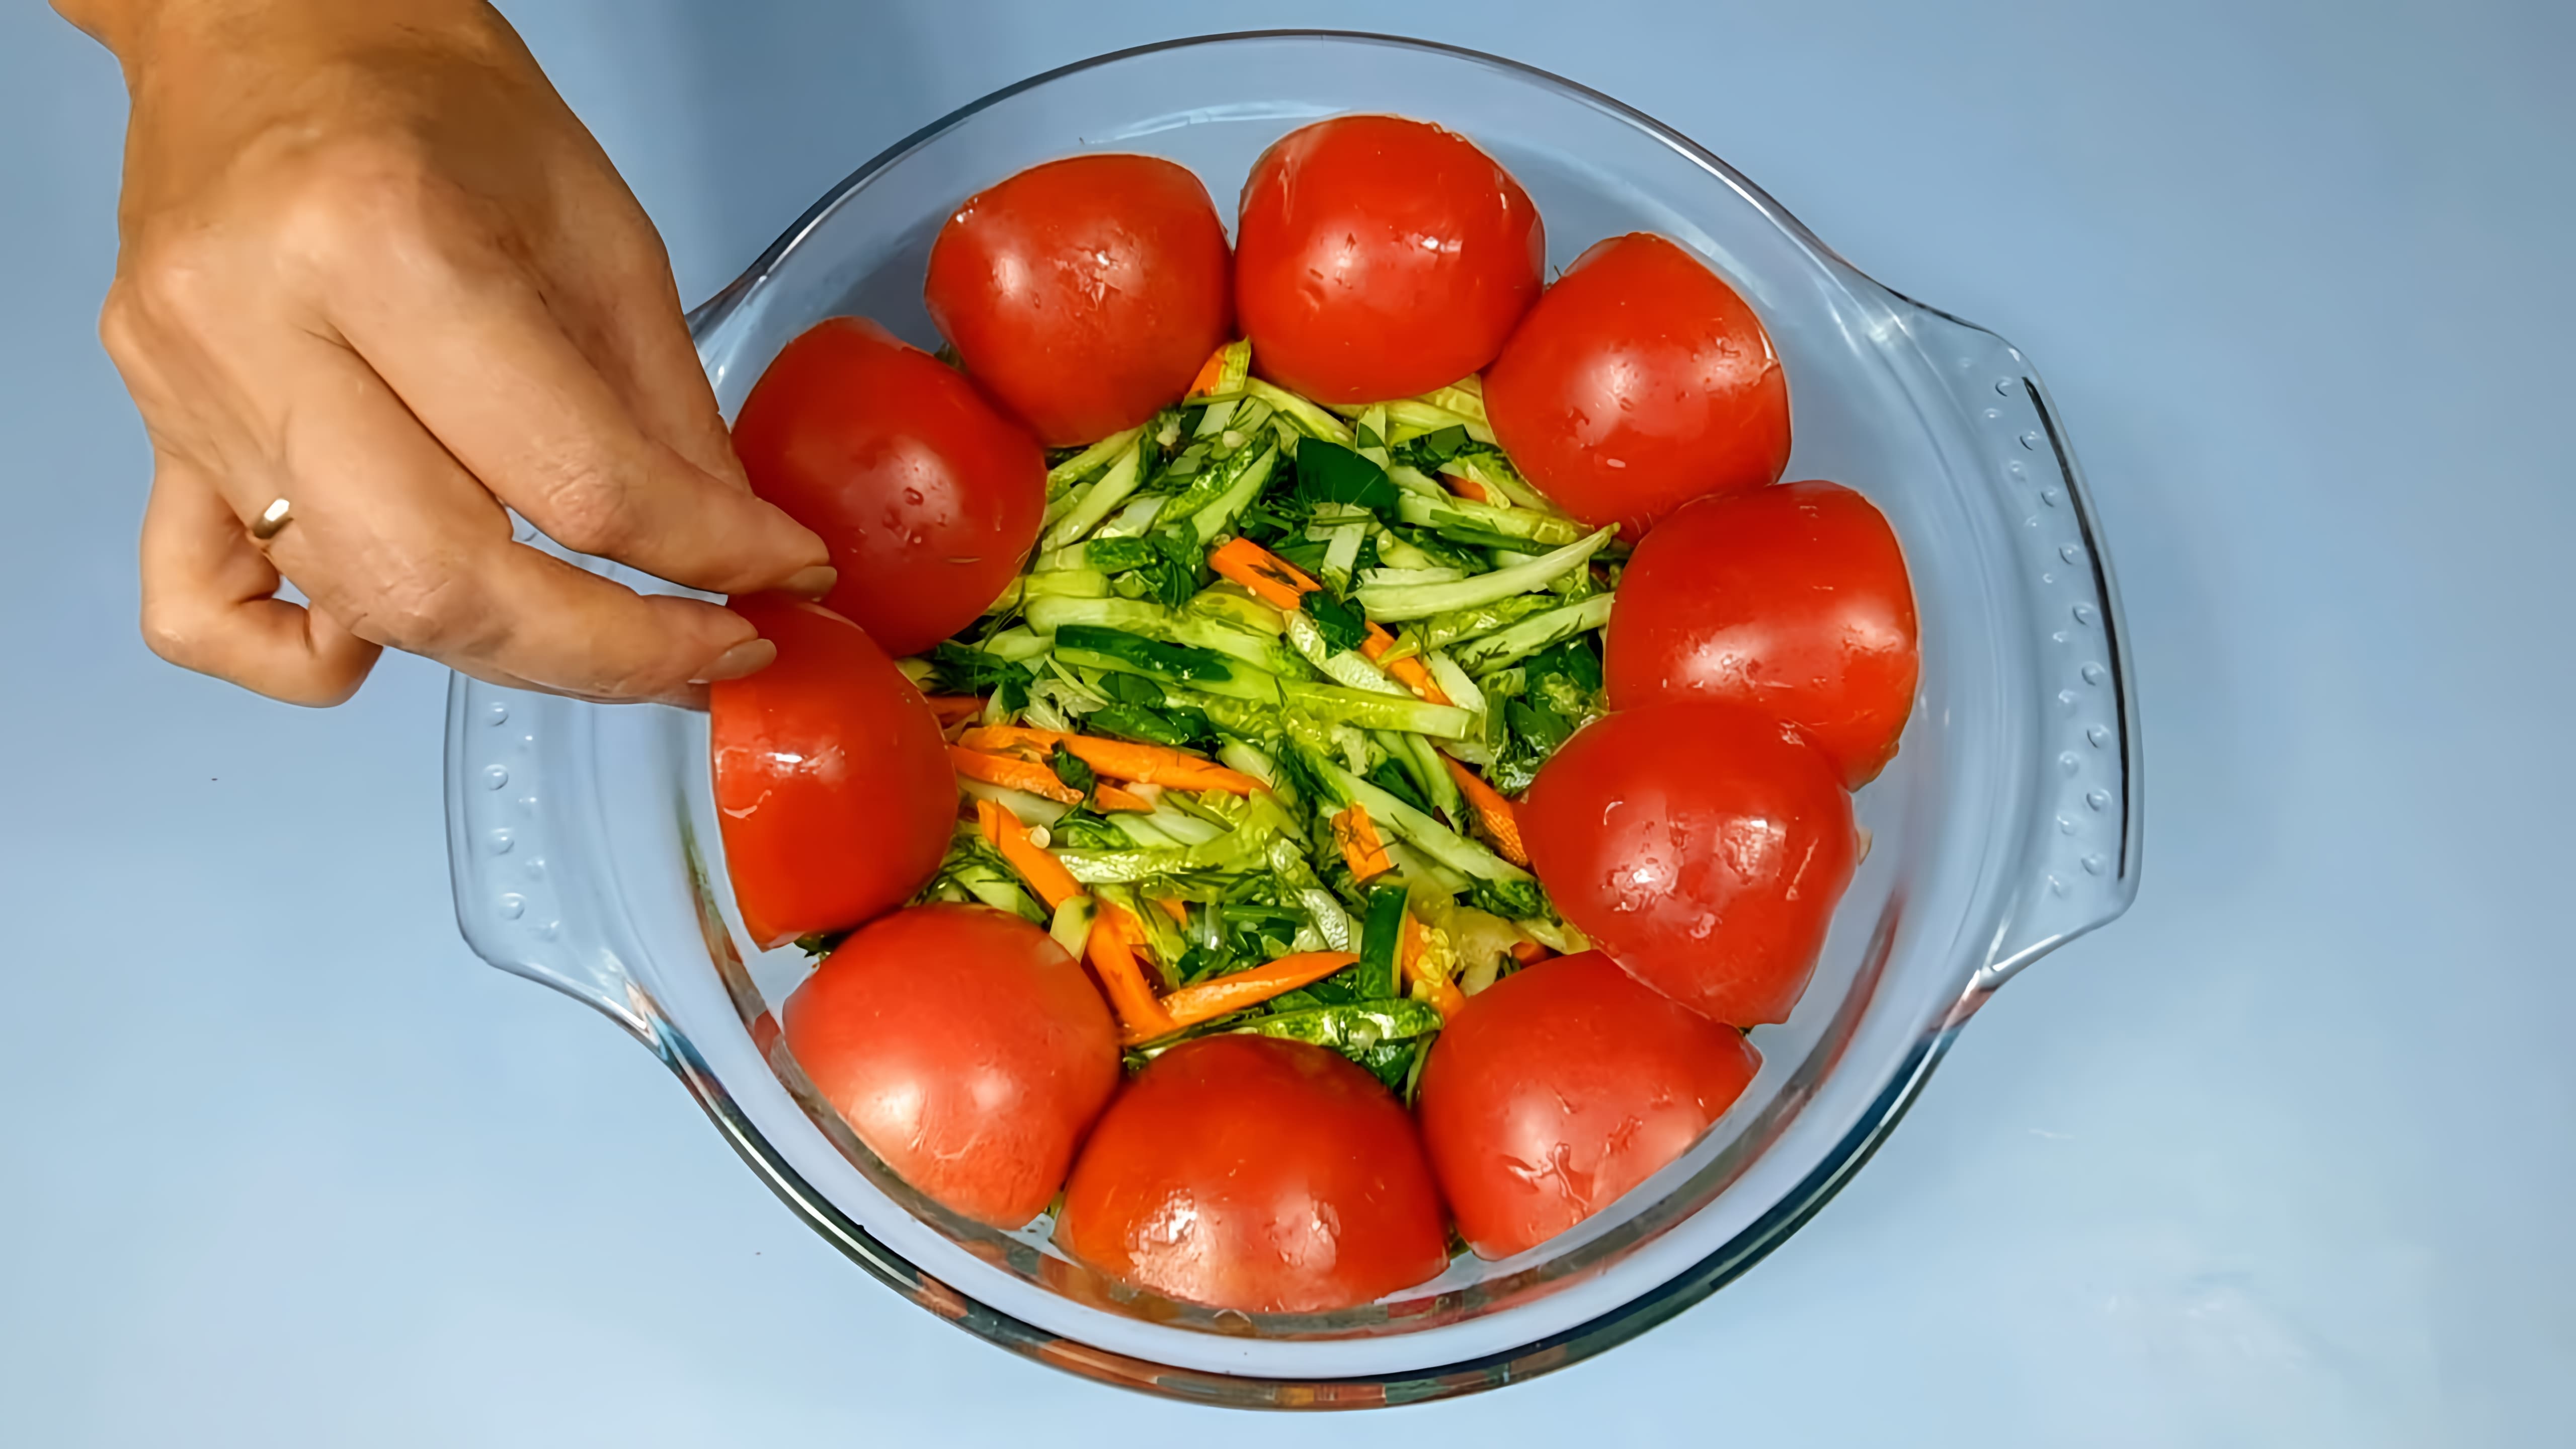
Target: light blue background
(2283,1158)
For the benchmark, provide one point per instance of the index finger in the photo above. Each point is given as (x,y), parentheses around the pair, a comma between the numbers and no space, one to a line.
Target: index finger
(465,339)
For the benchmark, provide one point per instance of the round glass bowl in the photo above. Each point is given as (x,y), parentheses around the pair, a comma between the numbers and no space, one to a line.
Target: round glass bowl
(586,853)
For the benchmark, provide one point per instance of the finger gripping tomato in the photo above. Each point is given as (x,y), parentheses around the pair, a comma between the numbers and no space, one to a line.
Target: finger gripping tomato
(965,1048)
(1563,1086)
(1638,383)
(1702,845)
(831,781)
(928,497)
(1379,257)
(1084,292)
(1256,1174)
(1792,599)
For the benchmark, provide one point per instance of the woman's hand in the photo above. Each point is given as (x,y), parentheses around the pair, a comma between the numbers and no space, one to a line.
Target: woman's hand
(373,266)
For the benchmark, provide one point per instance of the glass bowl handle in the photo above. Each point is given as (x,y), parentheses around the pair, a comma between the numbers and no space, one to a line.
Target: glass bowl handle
(2078,854)
(511,779)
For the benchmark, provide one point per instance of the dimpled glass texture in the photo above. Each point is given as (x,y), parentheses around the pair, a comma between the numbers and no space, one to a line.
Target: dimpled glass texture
(586,854)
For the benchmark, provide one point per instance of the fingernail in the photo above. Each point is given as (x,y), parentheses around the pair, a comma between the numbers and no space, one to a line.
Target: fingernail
(811,583)
(749,657)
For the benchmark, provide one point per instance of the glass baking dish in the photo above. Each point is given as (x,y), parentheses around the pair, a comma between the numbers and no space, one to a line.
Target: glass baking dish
(586,855)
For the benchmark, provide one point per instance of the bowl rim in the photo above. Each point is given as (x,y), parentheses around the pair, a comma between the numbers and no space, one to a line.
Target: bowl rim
(1908,1075)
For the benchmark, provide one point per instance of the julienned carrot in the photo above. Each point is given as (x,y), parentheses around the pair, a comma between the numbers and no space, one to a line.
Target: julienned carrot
(1446,998)
(1361,848)
(1469,489)
(1142,1017)
(1502,826)
(1176,908)
(1110,797)
(1211,999)
(1530,953)
(1272,579)
(1045,874)
(1027,775)
(1408,671)
(955,708)
(1282,585)
(1125,759)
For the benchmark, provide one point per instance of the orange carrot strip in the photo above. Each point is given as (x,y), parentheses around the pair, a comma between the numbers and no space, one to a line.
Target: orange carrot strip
(1408,671)
(1469,489)
(1446,998)
(1034,778)
(1211,372)
(1211,999)
(1502,826)
(1125,759)
(1272,579)
(1110,797)
(955,708)
(1138,1011)
(1280,584)
(1530,953)
(1176,908)
(1357,835)
(1045,874)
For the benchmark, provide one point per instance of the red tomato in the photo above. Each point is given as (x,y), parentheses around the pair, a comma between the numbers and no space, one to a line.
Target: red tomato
(1638,383)
(965,1048)
(831,778)
(1702,845)
(1086,292)
(1268,1176)
(928,497)
(1378,258)
(1792,599)
(1562,1086)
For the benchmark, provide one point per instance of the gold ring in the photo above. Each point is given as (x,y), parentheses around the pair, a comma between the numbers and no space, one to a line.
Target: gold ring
(272,518)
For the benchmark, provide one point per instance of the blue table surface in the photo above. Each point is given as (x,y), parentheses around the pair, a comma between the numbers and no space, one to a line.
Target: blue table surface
(2282,1158)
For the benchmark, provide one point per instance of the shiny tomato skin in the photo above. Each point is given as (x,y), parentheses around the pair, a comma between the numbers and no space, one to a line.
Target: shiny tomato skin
(832,783)
(1262,1175)
(1793,599)
(1378,257)
(1085,293)
(1562,1086)
(928,496)
(1638,383)
(965,1048)
(1702,845)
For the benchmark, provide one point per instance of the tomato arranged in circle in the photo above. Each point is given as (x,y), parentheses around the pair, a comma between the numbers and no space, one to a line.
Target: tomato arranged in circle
(1792,599)
(965,1048)
(1085,292)
(928,497)
(1702,845)
(1378,257)
(1256,1174)
(1562,1086)
(1638,383)
(832,784)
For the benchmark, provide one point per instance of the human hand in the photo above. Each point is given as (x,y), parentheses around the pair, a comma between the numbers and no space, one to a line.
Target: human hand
(372,264)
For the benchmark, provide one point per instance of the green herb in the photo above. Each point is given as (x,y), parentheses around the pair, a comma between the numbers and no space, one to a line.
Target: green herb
(964,669)
(1342,626)
(1072,769)
(1330,473)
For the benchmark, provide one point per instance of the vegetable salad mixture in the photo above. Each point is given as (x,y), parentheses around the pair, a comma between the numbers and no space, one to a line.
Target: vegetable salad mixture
(1277,797)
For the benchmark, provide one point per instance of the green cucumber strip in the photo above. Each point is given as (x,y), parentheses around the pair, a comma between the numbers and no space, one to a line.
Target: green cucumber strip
(1530,635)
(1311,420)
(1060,584)
(1420,601)
(1425,834)
(1381,965)
(1334,704)
(1547,528)
(1412,413)
(1458,401)
(1084,465)
(1095,504)
(1206,670)
(1220,514)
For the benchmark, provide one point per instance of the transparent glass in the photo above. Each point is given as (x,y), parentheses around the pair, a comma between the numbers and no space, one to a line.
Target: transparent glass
(585,851)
